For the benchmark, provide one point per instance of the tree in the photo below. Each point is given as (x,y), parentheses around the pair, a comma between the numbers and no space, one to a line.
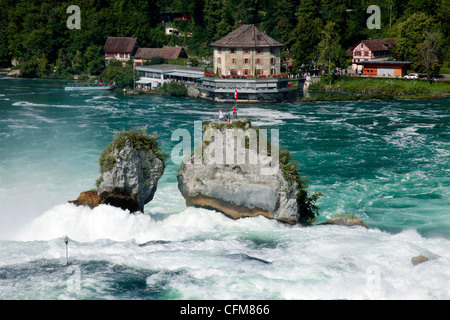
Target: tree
(329,47)
(429,53)
(411,33)
(94,60)
(218,19)
(308,36)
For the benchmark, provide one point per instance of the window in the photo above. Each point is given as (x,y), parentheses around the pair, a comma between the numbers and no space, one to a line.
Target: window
(272,71)
(357,53)
(259,72)
(232,50)
(272,60)
(233,60)
(246,50)
(258,61)
(272,50)
(246,72)
(219,60)
(233,72)
(366,53)
(246,61)
(259,50)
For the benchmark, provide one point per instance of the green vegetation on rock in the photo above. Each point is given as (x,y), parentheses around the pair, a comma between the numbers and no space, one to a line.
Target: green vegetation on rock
(140,140)
(306,201)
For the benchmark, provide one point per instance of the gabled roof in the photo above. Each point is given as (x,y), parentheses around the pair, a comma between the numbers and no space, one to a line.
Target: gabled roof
(120,44)
(377,44)
(147,53)
(247,36)
(169,53)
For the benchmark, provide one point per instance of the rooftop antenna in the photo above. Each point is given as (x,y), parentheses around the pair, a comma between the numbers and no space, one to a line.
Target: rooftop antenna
(66,241)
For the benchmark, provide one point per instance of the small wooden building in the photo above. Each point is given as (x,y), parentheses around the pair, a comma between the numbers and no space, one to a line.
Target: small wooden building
(384,68)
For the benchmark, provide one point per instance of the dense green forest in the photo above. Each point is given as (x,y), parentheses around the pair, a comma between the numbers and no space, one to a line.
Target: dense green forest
(35,33)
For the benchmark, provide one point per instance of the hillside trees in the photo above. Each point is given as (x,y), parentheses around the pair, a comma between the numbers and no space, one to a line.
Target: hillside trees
(35,31)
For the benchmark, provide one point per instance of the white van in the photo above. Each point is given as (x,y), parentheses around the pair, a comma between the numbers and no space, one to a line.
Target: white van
(412,76)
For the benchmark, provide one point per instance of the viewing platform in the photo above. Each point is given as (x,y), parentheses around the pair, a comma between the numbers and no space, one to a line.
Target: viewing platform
(250,89)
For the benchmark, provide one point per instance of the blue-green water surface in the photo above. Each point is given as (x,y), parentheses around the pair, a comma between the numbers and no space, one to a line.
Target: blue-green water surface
(388,162)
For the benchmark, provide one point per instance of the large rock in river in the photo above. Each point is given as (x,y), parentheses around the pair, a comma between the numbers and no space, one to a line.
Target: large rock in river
(131,167)
(237,188)
(132,181)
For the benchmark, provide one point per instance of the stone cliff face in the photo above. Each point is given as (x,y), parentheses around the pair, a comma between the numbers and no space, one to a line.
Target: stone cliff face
(132,181)
(237,189)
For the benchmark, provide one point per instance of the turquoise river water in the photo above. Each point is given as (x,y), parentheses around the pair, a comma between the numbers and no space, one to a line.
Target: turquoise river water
(388,162)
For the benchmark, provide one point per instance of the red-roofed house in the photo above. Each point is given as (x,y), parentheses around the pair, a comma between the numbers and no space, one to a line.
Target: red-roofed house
(372,49)
(120,48)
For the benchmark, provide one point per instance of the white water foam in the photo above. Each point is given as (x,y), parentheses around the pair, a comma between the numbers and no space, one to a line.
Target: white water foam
(106,222)
(265,117)
(251,258)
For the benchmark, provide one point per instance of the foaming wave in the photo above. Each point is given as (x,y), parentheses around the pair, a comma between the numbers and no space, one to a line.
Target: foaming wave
(32,104)
(83,224)
(29,104)
(266,116)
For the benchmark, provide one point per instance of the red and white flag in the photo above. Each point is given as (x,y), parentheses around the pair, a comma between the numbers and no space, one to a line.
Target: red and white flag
(235,94)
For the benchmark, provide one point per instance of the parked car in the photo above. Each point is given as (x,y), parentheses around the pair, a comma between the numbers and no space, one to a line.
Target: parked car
(412,76)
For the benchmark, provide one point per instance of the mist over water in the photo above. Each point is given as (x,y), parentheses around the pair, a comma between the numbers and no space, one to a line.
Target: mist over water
(387,162)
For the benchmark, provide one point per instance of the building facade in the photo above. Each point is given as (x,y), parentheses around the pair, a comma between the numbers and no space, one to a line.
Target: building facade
(247,51)
(151,77)
(375,68)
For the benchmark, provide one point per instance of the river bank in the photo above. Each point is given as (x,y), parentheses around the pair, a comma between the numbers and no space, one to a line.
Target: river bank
(355,88)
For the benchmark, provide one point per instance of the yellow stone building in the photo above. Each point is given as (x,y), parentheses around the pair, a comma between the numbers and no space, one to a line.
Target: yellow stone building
(246,51)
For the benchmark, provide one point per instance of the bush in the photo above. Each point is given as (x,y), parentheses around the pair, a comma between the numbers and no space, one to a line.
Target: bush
(174,89)
(306,201)
(121,74)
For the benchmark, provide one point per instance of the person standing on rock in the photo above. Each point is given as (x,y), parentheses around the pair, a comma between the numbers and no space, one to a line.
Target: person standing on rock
(220,115)
(234,113)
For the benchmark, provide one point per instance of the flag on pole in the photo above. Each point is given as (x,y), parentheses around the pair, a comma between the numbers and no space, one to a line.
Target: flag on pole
(235,94)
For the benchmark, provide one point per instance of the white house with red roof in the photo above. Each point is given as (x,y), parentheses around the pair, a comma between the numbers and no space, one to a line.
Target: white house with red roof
(370,50)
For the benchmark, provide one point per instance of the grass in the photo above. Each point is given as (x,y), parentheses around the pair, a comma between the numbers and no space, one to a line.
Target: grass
(403,88)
